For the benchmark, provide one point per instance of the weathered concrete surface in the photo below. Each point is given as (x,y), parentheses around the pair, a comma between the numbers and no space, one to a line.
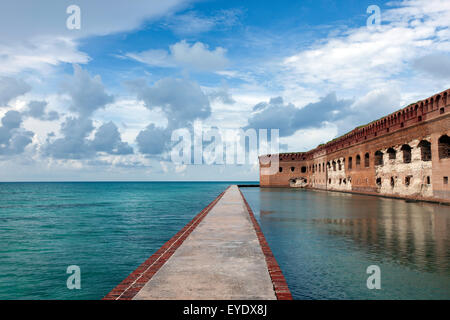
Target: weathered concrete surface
(220,260)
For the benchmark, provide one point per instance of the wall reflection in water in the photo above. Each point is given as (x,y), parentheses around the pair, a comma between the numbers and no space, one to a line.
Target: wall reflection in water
(408,236)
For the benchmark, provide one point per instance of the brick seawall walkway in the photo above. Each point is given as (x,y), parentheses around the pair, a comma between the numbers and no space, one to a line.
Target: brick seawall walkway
(220,255)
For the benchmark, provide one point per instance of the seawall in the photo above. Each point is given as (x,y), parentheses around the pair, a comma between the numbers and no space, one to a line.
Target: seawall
(220,255)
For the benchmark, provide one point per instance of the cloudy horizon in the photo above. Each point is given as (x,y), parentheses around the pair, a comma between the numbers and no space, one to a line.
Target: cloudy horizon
(101,102)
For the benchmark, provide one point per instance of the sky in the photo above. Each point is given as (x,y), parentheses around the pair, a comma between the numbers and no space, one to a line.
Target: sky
(102,101)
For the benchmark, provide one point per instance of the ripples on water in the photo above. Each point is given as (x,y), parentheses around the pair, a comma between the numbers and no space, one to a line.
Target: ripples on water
(324,242)
(108,229)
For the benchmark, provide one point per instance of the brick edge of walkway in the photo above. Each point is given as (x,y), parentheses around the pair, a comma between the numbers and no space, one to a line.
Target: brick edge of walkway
(280,286)
(130,287)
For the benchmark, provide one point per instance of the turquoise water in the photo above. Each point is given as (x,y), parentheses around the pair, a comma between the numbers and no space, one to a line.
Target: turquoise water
(324,242)
(107,229)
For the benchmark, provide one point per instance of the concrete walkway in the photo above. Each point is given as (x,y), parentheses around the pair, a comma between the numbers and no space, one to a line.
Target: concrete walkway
(220,260)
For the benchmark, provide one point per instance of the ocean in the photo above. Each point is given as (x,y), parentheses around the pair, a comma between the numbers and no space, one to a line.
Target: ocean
(106,229)
(323,241)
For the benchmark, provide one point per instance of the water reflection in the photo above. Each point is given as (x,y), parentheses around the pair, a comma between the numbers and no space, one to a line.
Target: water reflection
(324,241)
(415,234)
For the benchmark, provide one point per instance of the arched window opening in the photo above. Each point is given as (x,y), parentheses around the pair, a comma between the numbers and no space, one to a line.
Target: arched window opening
(292,169)
(334,165)
(350,163)
(392,153)
(358,161)
(281,169)
(339,165)
(379,182)
(408,180)
(406,149)
(425,150)
(303,169)
(444,147)
(367,160)
(378,158)
(392,182)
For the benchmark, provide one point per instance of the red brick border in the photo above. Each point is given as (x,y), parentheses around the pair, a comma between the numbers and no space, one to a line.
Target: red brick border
(279,282)
(129,287)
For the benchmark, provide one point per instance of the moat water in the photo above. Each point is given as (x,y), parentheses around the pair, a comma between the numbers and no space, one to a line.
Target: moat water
(325,241)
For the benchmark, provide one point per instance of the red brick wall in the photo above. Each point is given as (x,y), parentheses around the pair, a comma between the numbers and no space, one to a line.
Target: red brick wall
(425,120)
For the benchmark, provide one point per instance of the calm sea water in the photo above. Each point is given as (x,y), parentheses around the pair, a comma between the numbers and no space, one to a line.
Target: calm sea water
(325,241)
(107,229)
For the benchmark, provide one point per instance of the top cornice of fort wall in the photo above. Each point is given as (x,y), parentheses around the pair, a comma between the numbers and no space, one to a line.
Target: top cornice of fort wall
(421,111)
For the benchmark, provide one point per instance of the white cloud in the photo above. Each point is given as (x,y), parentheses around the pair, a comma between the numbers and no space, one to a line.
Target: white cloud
(360,57)
(34,36)
(39,54)
(197,56)
(192,23)
(24,19)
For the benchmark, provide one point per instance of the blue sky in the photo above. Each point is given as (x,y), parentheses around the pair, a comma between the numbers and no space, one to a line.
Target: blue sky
(100,103)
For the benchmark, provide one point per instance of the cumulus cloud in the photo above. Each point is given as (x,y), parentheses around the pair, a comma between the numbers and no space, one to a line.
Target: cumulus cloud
(11,88)
(75,143)
(345,114)
(364,57)
(107,139)
(181,101)
(288,118)
(87,93)
(13,139)
(196,56)
(153,140)
(36,109)
(222,95)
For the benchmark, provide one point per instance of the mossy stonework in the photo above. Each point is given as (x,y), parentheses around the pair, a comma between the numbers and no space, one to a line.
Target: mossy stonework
(405,154)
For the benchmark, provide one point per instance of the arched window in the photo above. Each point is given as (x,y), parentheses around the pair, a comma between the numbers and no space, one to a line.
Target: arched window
(334,165)
(444,147)
(392,153)
(350,163)
(303,169)
(425,150)
(339,165)
(379,182)
(378,158)
(281,169)
(292,169)
(367,160)
(358,161)
(406,149)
